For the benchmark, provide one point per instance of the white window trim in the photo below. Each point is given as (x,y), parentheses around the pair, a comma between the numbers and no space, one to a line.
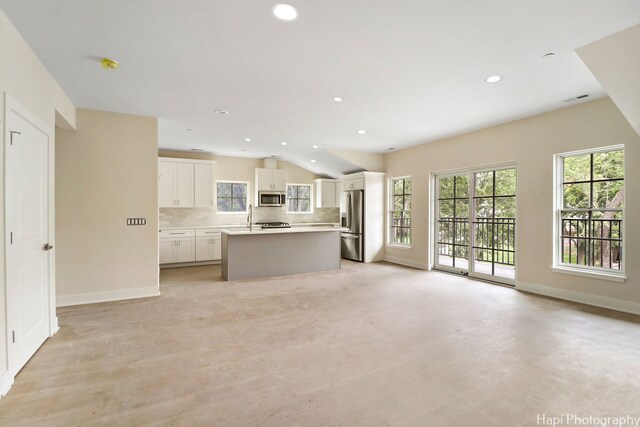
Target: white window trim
(390,194)
(228,181)
(558,180)
(310,211)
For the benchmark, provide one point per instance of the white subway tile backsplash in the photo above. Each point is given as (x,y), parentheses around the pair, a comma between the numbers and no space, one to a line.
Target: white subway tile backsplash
(199,217)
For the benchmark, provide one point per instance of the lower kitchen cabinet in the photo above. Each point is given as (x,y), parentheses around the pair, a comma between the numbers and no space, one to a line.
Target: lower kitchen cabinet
(177,250)
(178,246)
(208,248)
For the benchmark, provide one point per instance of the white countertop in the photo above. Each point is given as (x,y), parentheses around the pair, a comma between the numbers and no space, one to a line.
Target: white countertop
(258,230)
(245,227)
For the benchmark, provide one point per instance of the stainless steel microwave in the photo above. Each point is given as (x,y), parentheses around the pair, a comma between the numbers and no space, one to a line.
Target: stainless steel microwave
(272,198)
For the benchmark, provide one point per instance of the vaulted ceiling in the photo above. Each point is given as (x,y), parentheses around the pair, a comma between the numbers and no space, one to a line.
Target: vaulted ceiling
(408,71)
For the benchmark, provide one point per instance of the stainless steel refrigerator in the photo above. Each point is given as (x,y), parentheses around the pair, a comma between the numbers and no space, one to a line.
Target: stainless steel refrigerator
(353,238)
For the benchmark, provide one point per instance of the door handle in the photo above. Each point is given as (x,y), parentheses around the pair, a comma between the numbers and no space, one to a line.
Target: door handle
(47,247)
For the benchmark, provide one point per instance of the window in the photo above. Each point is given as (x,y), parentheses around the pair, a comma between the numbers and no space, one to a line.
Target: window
(589,209)
(400,231)
(231,196)
(298,198)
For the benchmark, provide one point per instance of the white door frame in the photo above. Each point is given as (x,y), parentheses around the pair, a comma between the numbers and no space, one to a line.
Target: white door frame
(11,106)
(433,226)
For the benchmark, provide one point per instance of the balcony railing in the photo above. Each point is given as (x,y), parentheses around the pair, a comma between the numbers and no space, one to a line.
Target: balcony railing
(593,242)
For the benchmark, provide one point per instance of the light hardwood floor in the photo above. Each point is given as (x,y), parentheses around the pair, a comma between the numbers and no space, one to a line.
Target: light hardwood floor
(367,345)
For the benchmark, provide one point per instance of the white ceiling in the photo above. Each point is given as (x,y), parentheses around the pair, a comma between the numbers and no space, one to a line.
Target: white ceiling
(409,71)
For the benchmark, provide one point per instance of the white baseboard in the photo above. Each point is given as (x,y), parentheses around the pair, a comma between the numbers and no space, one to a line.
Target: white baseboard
(581,297)
(6,381)
(105,296)
(406,262)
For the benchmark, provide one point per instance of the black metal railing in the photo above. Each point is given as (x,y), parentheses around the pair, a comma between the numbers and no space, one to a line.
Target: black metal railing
(495,240)
(593,242)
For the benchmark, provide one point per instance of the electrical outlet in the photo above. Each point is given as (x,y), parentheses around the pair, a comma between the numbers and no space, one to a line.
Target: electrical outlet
(136,221)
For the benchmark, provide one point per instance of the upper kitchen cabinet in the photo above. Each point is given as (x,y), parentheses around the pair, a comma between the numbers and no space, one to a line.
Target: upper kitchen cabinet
(353,184)
(327,193)
(185,183)
(203,185)
(271,180)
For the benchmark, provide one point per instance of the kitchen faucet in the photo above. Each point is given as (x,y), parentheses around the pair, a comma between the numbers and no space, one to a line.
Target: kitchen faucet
(250,218)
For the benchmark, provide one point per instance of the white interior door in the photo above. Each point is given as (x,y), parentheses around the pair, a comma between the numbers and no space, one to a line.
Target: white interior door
(27,207)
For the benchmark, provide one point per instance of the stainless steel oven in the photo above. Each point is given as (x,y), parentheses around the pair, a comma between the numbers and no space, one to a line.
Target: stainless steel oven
(272,198)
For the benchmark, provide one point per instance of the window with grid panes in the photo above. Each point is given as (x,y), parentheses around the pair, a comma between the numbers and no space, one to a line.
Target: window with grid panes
(298,198)
(400,230)
(590,203)
(231,196)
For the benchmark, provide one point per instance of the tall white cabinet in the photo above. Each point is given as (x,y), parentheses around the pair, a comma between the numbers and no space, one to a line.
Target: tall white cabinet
(185,183)
(374,209)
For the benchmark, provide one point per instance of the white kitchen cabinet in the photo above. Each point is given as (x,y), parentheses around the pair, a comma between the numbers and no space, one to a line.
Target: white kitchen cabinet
(186,249)
(326,190)
(208,248)
(203,185)
(177,246)
(185,183)
(175,184)
(271,180)
(168,252)
(353,184)
(166,184)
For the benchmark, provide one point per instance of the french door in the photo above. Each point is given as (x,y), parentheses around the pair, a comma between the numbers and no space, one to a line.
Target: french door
(475,223)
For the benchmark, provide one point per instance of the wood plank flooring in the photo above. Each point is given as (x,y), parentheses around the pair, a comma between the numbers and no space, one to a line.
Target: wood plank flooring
(367,345)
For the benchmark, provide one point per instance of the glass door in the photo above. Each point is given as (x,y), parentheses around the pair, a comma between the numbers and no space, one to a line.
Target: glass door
(475,221)
(494,224)
(452,213)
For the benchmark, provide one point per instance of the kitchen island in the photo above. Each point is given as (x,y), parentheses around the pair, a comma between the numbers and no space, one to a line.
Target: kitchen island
(279,251)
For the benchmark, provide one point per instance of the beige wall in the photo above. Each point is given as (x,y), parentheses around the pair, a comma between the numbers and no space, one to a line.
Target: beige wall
(23,77)
(106,171)
(531,143)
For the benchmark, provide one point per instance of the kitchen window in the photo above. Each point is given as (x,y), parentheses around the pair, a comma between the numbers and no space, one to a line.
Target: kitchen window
(400,214)
(299,198)
(231,196)
(589,207)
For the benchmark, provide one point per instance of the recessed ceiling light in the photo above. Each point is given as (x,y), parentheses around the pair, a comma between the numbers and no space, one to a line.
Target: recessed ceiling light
(493,79)
(285,12)
(315,146)
(283,143)
(313,161)
(337,99)
(222,112)
(247,139)
(362,132)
